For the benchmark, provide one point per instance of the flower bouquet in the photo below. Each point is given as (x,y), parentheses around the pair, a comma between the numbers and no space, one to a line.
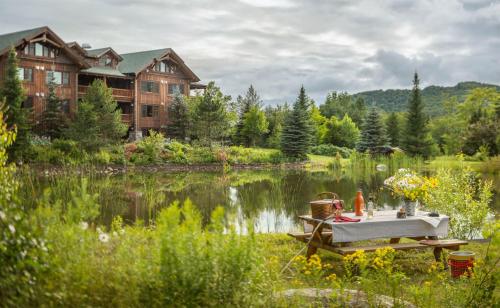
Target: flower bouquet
(409,186)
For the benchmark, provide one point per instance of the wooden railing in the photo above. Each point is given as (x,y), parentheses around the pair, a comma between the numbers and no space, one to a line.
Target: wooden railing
(127,118)
(119,93)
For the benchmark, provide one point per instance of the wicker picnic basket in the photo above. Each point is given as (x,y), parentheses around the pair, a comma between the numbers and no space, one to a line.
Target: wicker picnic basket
(325,206)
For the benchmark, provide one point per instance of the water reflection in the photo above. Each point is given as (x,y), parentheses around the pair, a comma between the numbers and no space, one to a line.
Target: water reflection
(271,200)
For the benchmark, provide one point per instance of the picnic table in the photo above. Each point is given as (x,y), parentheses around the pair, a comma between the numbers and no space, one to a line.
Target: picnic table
(339,237)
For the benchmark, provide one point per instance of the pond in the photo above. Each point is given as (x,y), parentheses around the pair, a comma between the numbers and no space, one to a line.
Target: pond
(270,199)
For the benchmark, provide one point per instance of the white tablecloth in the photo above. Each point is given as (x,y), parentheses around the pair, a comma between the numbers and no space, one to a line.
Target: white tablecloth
(384,224)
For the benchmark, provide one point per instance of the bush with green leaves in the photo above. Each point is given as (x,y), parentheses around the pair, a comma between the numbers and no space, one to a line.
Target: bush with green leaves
(22,251)
(331,150)
(463,196)
(211,266)
(152,146)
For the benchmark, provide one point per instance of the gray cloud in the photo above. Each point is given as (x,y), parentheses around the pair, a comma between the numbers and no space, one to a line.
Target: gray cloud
(279,45)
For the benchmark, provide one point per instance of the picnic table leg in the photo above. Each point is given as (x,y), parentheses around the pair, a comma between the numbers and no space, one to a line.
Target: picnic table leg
(316,235)
(438,254)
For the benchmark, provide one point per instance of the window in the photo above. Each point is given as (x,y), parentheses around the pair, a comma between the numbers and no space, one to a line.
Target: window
(60,78)
(28,103)
(175,89)
(65,106)
(165,67)
(25,73)
(150,111)
(150,86)
(105,61)
(39,50)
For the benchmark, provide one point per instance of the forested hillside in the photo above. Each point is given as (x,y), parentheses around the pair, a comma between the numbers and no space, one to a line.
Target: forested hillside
(433,97)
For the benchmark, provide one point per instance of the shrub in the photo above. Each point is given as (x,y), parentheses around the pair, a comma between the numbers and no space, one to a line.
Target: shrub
(152,146)
(22,251)
(331,150)
(204,266)
(464,197)
(102,157)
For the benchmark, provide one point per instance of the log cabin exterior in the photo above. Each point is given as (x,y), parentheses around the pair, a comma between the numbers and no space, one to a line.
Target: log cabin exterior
(143,83)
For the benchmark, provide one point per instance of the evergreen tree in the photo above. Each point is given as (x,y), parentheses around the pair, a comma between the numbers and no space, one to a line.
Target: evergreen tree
(53,119)
(392,128)
(178,114)
(98,119)
(244,104)
(416,138)
(254,125)
(16,115)
(211,118)
(297,132)
(373,132)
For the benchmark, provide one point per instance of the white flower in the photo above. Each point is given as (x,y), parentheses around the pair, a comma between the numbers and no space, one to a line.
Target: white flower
(98,230)
(2,215)
(84,225)
(12,229)
(103,237)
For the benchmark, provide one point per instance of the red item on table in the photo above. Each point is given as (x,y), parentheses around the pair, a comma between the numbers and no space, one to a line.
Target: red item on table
(359,204)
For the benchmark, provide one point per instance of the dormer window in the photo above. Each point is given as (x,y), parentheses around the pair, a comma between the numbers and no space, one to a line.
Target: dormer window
(165,67)
(105,61)
(39,50)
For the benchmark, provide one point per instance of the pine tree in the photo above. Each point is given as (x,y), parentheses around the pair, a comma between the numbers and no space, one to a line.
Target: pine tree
(392,128)
(53,119)
(98,119)
(178,114)
(244,105)
(373,132)
(416,138)
(297,131)
(210,115)
(16,115)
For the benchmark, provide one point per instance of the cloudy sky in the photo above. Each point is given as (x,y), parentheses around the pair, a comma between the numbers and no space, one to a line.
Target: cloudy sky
(278,45)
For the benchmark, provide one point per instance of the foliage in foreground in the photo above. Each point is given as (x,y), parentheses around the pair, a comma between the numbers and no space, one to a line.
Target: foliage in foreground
(21,250)
(462,196)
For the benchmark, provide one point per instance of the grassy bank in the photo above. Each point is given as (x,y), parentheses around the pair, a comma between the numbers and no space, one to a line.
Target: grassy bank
(177,262)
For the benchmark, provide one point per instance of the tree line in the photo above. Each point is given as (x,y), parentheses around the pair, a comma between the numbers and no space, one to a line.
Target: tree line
(213,118)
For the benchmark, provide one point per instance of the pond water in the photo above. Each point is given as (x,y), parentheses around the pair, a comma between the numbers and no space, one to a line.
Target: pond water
(270,199)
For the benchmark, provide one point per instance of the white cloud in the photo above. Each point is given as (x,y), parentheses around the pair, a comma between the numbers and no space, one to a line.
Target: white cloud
(278,45)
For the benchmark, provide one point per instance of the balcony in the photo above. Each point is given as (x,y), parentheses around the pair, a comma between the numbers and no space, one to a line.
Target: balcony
(119,94)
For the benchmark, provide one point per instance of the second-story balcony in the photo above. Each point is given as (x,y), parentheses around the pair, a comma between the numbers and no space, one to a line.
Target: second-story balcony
(121,86)
(119,94)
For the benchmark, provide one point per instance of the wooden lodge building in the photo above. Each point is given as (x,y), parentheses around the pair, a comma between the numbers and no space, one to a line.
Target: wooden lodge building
(143,83)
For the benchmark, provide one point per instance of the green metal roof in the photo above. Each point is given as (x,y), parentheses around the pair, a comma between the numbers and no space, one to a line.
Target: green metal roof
(136,61)
(97,52)
(9,39)
(100,70)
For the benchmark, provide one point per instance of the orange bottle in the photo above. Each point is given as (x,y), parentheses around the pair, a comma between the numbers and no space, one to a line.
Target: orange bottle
(359,204)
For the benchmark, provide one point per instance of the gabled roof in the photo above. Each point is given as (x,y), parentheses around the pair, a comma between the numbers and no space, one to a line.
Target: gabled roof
(18,38)
(77,46)
(136,62)
(98,52)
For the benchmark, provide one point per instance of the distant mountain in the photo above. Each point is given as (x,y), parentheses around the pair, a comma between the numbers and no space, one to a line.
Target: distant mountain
(433,96)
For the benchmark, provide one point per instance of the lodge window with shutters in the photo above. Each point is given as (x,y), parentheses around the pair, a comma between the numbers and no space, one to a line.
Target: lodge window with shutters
(60,78)
(150,111)
(174,89)
(25,73)
(150,86)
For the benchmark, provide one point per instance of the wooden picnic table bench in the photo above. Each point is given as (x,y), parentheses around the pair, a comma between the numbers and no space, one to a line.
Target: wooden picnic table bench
(326,235)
